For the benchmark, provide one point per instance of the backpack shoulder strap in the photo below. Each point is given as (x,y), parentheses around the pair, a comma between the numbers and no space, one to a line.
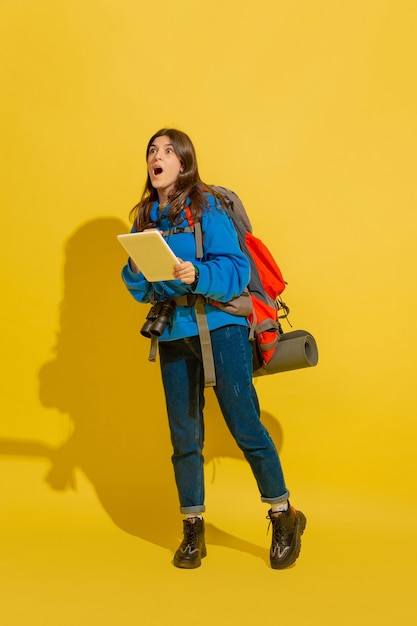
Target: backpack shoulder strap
(198,234)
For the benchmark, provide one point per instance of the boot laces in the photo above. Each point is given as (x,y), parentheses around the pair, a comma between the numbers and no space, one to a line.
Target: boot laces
(190,533)
(279,533)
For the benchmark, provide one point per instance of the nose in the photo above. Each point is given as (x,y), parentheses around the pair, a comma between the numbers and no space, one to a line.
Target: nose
(154,156)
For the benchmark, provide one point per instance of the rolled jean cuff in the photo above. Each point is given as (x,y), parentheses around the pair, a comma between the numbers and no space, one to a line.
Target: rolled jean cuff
(276,500)
(186,510)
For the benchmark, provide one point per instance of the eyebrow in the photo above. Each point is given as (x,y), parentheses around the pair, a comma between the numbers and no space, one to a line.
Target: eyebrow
(166,145)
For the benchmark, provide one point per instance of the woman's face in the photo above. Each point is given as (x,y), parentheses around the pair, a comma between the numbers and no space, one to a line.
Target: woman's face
(164,166)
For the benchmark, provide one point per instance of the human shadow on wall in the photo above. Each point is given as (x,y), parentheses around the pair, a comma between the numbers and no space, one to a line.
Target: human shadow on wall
(101,378)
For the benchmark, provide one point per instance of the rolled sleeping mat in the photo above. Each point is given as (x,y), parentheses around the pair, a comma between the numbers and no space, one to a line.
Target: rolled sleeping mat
(295,350)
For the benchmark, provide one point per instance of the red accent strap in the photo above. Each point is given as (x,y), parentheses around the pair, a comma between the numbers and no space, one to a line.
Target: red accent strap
(189,216)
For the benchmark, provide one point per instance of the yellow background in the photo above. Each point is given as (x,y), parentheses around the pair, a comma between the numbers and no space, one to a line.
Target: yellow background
(308,111)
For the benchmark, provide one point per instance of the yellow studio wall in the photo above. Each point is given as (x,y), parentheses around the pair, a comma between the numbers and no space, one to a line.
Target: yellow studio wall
(308,111)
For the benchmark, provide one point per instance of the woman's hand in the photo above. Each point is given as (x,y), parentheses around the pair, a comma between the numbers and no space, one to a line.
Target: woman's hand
(184,271)
(133,266)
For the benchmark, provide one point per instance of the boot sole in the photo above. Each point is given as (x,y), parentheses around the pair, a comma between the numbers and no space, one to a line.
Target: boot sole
(187,564)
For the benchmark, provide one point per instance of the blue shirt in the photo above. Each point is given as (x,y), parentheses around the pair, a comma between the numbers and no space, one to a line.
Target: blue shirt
(224,271)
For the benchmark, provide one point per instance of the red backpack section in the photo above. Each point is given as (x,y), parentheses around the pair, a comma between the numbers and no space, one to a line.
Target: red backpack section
(265,286)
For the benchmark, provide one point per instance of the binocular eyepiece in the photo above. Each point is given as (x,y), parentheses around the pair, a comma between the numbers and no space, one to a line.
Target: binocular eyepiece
(157,318)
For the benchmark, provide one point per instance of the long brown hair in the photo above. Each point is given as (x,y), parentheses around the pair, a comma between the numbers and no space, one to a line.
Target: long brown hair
(187,185)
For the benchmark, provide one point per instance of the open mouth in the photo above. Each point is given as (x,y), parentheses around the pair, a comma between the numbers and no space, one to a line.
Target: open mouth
(157,171)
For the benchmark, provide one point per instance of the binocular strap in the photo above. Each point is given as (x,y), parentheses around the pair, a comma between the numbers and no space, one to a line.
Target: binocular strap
(153,349)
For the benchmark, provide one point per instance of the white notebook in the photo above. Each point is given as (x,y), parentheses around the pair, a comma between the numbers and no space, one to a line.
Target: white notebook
(151,253)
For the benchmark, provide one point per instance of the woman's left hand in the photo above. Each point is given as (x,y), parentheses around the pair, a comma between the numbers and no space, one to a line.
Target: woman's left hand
(184,271)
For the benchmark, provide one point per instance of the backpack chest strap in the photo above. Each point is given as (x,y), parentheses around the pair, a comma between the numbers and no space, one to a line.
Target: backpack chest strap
(198,234)
(177,230)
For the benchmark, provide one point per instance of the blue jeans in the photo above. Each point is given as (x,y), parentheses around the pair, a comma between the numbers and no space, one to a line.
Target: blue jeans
(183,380)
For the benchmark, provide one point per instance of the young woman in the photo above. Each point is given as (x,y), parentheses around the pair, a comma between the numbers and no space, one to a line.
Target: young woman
(174,190)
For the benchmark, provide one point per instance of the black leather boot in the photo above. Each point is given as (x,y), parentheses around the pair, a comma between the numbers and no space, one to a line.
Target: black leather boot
(193,547)
(287,529)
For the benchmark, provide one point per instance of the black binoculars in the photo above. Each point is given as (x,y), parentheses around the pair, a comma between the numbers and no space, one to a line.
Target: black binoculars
(157,318)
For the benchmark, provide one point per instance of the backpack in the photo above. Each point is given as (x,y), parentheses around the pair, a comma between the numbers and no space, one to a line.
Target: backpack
(265,286)
(261,303)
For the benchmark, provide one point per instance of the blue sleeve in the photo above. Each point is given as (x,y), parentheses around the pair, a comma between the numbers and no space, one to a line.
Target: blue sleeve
(137,284)
(225,270)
